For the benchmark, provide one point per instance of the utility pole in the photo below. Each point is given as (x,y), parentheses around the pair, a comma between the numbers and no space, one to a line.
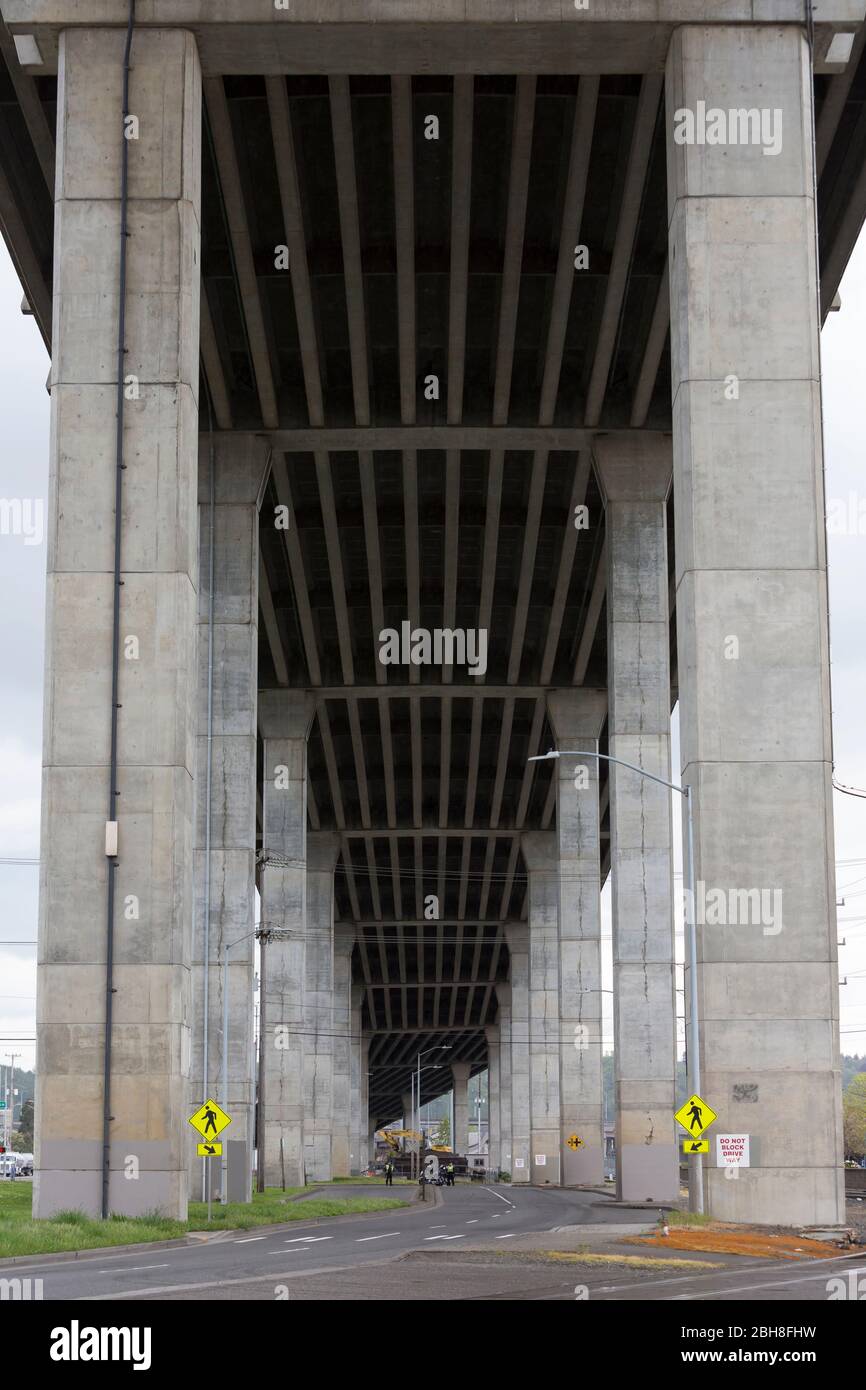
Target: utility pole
(264,937)
(10,1124)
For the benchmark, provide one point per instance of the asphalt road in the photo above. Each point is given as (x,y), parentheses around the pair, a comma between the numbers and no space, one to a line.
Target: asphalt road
(467,1212)
(353,1258)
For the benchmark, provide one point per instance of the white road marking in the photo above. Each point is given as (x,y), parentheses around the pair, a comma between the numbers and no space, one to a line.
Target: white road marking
(247,1240)
(473,1222)
(133,1269)
(499,1195)
(440,1226)
(361,1239)
(510,1236)
(308,1240)
(747,1288)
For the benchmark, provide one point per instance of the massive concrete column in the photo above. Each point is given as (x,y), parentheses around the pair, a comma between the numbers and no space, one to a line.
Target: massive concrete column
(321,1018)
(494,1119)
(542,864)
(345,1048)
(358,1054)
(153,912)
(407,1100)
(460,1137)
(576,718)
(285,718)
(227,684)
(503,1000)
(752,618)
(635,479)
(518,950)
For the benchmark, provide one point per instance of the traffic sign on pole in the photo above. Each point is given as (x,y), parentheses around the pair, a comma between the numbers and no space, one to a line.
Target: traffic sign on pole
(209,1120)
(695,1116)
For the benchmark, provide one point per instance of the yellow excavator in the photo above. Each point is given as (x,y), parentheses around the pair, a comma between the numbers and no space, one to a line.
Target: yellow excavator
(392,1138)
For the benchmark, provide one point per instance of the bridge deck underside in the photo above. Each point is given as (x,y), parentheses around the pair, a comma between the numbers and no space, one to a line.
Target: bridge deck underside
(431,225)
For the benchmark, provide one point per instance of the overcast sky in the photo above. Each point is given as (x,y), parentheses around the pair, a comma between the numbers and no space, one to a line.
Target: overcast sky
(24,413)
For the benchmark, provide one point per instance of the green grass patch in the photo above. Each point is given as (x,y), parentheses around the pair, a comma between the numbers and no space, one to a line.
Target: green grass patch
(271,1206)
(687,1218)
(365,1182)
(73,1230)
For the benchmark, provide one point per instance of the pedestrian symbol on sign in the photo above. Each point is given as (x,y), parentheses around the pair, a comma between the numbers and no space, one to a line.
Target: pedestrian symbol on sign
(695,1116)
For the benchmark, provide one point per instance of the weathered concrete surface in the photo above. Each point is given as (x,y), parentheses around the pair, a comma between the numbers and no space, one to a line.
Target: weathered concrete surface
(518,950)
(341,1116)
(239,465)
(503,1009)
(285,718)
(576,718)
(243,36)
(460,1075)
(752,621)
(493,1092)
(321,1022)
(539,849)
(153,913)
(635,479)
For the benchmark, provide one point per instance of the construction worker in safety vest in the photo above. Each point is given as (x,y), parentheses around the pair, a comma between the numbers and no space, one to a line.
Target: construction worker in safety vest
(450,1172)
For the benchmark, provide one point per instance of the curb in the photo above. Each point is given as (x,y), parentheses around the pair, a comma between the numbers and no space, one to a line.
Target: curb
(189,1241)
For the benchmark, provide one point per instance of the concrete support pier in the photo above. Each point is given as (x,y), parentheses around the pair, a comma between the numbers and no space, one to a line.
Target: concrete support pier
(751,601)
(494,1122)
(227,667)
(320,1008)
(342,1161)
(576,718)
(518,949)
(503,1007)
(285,718)
(635,479)
(460,1137)
(542,863)
(152,919)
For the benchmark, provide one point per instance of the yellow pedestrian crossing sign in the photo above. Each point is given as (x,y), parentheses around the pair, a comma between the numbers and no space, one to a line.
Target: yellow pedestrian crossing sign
(695,1116)
(210,1120)
(696,1146)
(209,1150)
(574,1141)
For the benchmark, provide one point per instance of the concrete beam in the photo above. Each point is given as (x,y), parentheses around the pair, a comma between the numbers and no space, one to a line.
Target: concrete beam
(399,36)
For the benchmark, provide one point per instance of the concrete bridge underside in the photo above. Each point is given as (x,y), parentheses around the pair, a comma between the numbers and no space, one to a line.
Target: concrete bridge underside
(372,381)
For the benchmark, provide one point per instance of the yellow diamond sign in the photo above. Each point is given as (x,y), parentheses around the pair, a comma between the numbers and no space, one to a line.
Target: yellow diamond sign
(210,1120)
(695,1116)
(574,1141)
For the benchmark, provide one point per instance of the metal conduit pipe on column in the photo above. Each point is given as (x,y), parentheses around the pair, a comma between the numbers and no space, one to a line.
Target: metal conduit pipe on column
(111,846)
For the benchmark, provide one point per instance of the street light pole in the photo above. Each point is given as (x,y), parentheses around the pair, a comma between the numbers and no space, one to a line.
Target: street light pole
(439,1047)
(696,1171)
